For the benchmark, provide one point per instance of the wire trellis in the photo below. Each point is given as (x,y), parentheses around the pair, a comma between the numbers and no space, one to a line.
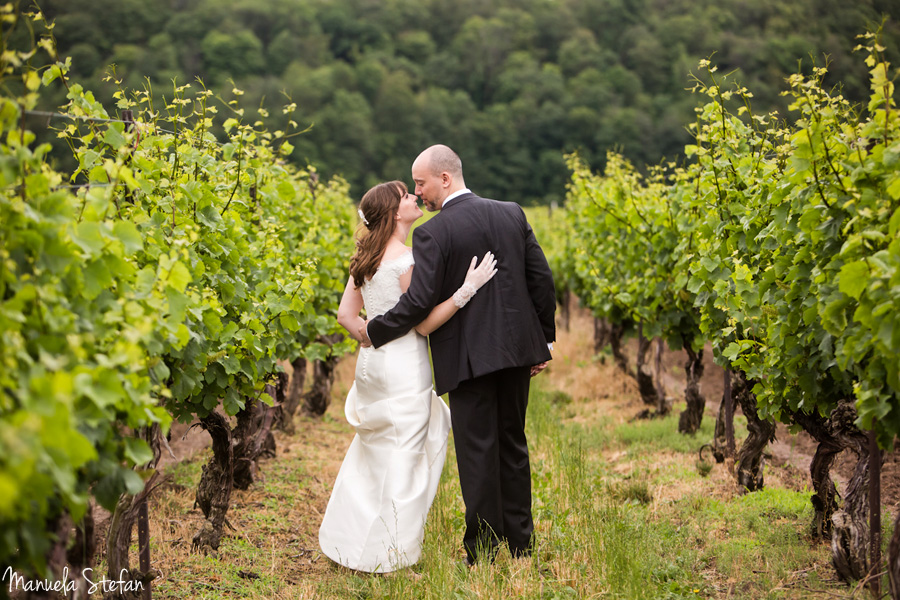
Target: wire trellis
(57,115)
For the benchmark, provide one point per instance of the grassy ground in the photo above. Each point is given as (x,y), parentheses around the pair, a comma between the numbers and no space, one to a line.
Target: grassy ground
(622,510)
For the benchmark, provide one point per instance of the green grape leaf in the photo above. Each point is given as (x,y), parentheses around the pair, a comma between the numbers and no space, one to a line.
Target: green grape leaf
(114,137)
(129,235)
(232,364)
(96,278)
(89,238)
(134,483)
(853,278)
(894,224)
(137,451)
(179,276)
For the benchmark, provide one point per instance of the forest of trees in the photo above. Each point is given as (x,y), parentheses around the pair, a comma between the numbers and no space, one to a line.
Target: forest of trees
(512,85)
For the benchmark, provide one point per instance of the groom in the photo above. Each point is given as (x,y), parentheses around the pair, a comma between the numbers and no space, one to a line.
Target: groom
(486,354)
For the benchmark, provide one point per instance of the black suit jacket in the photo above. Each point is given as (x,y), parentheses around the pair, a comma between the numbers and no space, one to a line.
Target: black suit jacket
(508,323)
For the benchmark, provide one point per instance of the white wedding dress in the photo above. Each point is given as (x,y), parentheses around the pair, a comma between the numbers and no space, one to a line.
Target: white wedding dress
(375,520)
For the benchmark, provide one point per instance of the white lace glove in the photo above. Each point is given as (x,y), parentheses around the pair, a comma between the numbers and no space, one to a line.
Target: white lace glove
(475,278)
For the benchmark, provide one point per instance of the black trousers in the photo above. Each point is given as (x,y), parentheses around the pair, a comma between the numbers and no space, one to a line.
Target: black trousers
(488,418)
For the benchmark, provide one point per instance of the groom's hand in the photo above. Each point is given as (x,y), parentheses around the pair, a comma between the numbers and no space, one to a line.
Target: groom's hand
(538,368)
(364,336)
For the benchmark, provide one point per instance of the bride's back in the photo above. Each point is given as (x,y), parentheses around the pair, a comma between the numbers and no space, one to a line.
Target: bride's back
(382,291)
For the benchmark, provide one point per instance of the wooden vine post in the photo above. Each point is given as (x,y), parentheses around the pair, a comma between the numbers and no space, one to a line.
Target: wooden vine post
(143,518)
(143,523)
(143,515)
(874,516)
(728,400)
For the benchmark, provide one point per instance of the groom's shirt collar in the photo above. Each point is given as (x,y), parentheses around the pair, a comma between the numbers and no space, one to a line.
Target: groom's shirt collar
(455,195)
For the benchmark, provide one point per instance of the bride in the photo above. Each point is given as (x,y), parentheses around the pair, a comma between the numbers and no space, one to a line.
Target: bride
(375,519)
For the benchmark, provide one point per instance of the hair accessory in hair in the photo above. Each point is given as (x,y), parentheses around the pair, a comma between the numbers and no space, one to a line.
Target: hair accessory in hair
(362,216)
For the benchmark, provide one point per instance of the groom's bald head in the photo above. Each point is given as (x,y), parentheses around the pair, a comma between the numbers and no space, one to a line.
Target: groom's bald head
(441,159)
(437,173)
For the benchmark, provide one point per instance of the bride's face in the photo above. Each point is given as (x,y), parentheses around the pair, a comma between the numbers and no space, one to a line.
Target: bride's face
(409,211)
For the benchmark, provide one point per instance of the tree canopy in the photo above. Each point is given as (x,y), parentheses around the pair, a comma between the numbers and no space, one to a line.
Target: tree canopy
(512,85)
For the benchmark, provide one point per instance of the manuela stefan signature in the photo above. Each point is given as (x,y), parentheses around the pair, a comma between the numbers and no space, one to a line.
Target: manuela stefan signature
(66,585)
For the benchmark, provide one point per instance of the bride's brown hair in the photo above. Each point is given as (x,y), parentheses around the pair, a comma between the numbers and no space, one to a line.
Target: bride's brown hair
(378,207)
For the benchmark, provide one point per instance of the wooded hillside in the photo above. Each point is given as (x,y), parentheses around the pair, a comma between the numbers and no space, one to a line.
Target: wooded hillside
(511,84)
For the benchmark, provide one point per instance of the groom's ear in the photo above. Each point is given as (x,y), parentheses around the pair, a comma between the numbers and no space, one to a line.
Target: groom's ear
(446,179)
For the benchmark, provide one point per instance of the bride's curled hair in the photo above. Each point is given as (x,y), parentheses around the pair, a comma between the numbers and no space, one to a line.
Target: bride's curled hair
(377,207)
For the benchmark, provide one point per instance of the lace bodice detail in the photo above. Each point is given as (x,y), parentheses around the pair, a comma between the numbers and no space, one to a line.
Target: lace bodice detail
(382,291)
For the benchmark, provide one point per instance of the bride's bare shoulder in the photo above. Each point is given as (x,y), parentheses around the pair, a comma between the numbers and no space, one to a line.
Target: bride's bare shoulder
(395,252)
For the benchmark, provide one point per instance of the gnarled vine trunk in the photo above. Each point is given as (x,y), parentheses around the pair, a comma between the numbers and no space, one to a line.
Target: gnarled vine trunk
(657,374)
(616,334)
(718,445)
(279,392)
(214,491)
(723,445)
(847,526)
(850,536)
(601,334)
(824,500)
(118,541)
(690,419)
(760,432)
(252,437)
(648,380)
(564,300)
(644,375)
(293,396)
(316,400)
